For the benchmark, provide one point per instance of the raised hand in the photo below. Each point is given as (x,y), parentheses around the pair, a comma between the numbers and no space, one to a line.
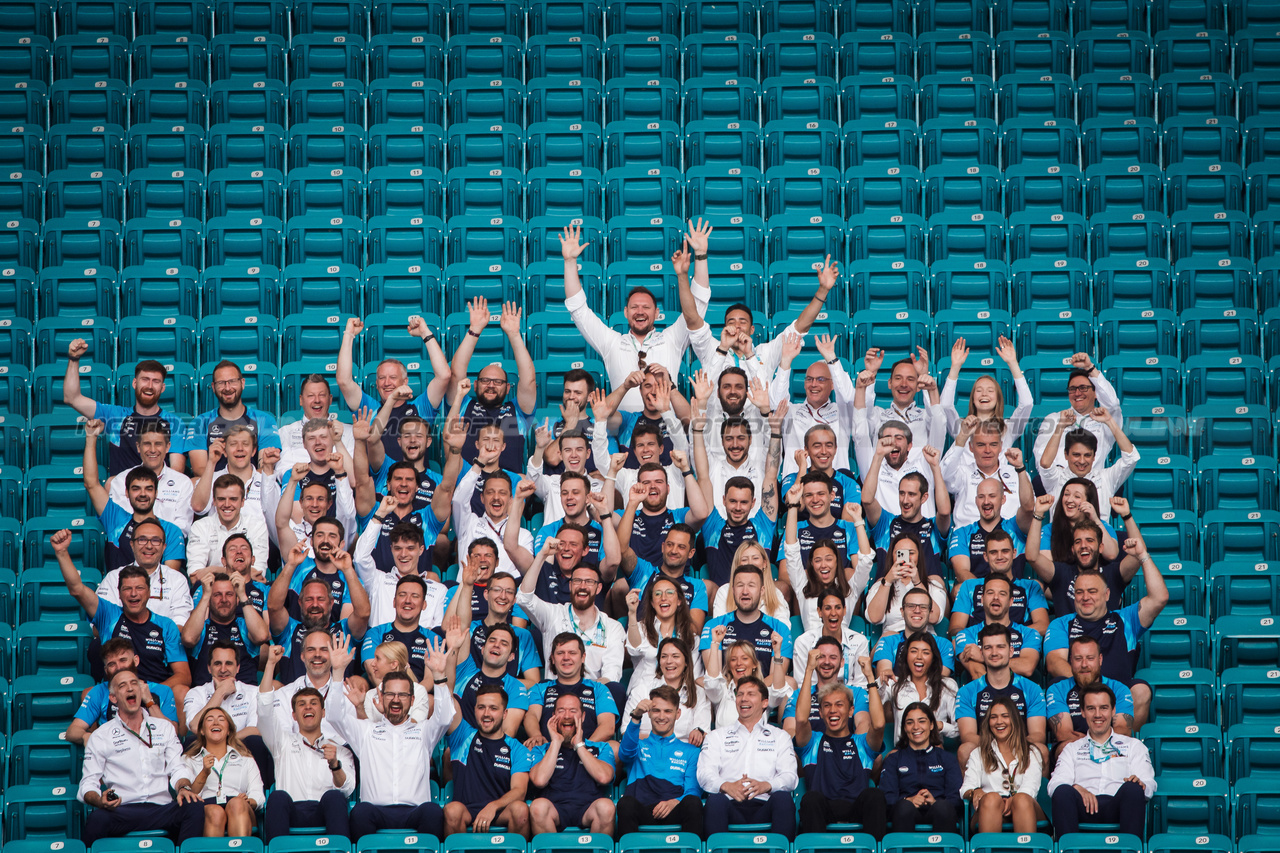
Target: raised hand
(826,345)
(1082,361)
(478,308)
(637,493)
(1044,503)
(1007,352)
(662,394)
(509,320)
(268,458)
(792,345)
(571,413)
(802,462)
(925,382)
(300,470)
(336,463)
(1066,418)
(217,449)
(77,349)
(355,326)
(718,634)
(758,393)
(699,236)
(360,425)
(437,658)
(633,603)
(571,245)
(1102,416)
(852,512)
(600,408)
(681,258)
(921,360)
(702,389)
(1014,455)
(932,455)
(297,554)
(959,353)
(873,359)
(525,489)
(61,541)
(778,416)
(616,463)
(793,494)
(95,428)
(418,327)
(828,274)
(1119,506)
(679,459)
(542,435)
(340,653)
(275,654)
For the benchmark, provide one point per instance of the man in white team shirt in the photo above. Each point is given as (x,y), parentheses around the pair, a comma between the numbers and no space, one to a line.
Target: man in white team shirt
(204,544)
(748,768)
(394,753)
(314,399)
(127,766)
(642,344)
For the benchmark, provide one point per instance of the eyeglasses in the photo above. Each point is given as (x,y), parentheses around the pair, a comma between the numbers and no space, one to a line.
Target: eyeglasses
(149,540)
(1077,390)
(386,695)
(491,382)
(226,383)
(817,380)
(915,607)
(583,582)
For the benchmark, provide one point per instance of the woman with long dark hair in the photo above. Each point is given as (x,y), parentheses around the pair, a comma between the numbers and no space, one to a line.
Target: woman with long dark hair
(674,669)
(1003,775)
(666,615)
(907,570)
(920,779)
(917,677)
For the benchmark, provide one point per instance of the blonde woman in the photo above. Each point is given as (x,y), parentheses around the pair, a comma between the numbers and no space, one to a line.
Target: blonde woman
(388,657)
(1002,776)
(739,662)
(219,770)
(986,399)
(772,602)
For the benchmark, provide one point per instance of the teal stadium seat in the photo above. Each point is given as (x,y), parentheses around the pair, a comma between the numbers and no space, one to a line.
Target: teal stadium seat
(43,814)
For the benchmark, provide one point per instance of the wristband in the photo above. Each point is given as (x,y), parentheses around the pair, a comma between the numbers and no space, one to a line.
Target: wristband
(380,519)
(1021,470)
(473,334)
(688,473)
(335,766)
(578,745)
(441,681)
(1037,517)
(775,435)
(1126,517)
(702,257)
(722,351)
(861,524)
(833,360)
(340,476)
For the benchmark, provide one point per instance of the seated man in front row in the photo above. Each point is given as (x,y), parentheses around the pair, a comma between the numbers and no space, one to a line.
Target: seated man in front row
(127,766)
(572,775)
(1105,776)
(662,780)
(490,769)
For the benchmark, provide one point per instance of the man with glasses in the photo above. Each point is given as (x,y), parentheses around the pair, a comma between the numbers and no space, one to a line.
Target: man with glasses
(916,605)
(642,344)
(488,404)
(211,426)
(1105,776)
(828,402)
(314,399)
(484,600)
(396,399)
(975,459)
(155,638)
(604,638)
(1087,390)
(170,594)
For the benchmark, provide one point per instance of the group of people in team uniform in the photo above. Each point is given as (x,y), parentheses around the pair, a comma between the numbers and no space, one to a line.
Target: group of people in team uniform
(654,609)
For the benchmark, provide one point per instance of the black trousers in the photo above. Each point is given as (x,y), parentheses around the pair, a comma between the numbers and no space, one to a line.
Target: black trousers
(282,813)
(180,821)
(940,814)
(1127,807)
(687,815)
(818,811)
(779,811)
(367,819)
(262,756)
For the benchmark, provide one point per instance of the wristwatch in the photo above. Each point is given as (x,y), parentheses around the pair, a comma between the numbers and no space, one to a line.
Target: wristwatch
(335,766)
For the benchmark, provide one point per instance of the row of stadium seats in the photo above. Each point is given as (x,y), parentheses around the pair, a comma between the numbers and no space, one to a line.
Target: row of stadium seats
(1205,337)
(347,56)
(1200,189)
(968,238)
(541,17)
(1057,285)
(1110,143)
(583,99)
